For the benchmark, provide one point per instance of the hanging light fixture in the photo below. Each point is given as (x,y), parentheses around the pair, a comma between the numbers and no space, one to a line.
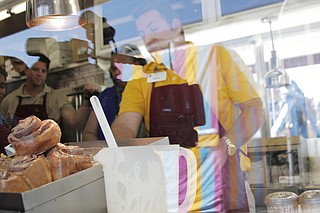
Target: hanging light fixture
(276,77)
(54,15)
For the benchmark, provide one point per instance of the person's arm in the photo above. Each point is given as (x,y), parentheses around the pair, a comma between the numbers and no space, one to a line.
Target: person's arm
(78,119)
(126,125)
(90,132)
(244,91)
(249,121)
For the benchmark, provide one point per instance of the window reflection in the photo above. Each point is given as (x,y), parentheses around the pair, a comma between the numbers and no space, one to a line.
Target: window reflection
(237,27)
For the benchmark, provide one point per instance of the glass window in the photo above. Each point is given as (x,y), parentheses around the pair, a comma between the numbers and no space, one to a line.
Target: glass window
(230,7)
(291,49)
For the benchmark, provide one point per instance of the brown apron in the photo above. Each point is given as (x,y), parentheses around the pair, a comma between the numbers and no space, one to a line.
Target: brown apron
(174,112)
(27,110)
(21,112)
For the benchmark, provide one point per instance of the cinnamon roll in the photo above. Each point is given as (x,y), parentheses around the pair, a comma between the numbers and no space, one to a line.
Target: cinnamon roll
(33,136)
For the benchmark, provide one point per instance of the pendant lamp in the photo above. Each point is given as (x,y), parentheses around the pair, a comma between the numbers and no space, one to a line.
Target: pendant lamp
(276,77)
(54,15)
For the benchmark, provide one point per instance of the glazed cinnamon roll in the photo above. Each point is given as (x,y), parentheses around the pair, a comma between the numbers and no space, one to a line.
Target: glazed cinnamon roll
(10,182)
(33,136)
(67,160)
(24,172)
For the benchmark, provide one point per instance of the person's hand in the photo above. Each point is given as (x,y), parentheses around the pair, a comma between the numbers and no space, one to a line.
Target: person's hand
(89,90)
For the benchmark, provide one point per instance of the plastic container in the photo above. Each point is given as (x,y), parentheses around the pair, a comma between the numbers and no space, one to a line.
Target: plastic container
(310,201)
(146,178)
(280,202)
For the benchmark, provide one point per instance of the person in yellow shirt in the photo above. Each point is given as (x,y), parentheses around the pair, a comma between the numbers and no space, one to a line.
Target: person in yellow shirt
(233,109)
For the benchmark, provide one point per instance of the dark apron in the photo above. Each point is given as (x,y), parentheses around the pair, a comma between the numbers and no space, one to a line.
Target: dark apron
(39,110)
(174,112)
(22,112)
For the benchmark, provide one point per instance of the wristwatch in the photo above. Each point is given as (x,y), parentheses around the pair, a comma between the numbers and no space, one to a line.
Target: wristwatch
(231,148)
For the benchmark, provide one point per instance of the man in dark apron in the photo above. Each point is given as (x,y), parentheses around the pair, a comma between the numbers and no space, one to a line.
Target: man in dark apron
(35,97)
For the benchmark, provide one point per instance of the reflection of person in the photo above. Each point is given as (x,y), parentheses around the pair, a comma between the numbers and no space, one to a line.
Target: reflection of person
(35,97)
(227,93)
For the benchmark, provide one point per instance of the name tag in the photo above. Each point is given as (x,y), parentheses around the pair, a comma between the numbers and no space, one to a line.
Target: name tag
(156,77)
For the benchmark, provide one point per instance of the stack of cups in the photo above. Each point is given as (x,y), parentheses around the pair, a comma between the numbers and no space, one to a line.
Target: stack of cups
(310,201)
(280,202)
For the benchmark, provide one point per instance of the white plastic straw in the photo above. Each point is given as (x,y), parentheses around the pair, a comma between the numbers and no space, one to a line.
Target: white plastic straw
(97,108)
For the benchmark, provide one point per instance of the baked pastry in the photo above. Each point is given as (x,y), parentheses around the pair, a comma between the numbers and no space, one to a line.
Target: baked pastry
(4,163)
(10,182)
(33,136)
(66,160)
(35,170)
(25,172)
